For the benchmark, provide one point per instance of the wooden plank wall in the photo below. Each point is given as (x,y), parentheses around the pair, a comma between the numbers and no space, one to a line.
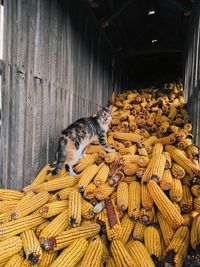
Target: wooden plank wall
(58,67)
(192,71)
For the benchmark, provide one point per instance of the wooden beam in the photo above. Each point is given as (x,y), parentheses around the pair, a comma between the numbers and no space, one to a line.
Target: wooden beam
(148,50)
(115,13)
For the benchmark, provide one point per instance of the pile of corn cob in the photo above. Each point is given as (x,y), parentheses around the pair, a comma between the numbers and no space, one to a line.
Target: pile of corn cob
(138,206)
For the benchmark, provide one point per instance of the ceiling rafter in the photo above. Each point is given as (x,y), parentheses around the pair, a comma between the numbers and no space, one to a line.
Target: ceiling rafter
(115,13)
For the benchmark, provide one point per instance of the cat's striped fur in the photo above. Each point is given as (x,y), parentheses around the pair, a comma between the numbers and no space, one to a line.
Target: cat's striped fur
(75,139)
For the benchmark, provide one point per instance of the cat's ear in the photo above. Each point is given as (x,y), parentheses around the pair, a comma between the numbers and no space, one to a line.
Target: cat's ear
(110,108)
(99,108)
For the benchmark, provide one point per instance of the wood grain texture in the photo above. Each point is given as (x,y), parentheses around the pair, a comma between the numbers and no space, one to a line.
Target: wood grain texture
(58,68)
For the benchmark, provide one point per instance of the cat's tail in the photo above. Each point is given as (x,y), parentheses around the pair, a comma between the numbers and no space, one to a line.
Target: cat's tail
(61,155)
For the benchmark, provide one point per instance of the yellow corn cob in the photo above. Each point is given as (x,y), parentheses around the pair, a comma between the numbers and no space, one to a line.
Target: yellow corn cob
(56,184)
(13,228)
(165,206)
(110,262)
(176,190)
(174,128)
(27,197)
(129,159)
(103,191)
(167,140)
(87,177)
(54,208)
(143,161)
(101,218)
(30,205)
(144,133)
(85,162)
(146,175)
(5,217)
(41,227)
(40,178)
(182,134)
(138,231)
(4,262)
(90,190)
(9,247)
(6,194)
(122,196)
(195,189)
(146,199)
(129,137)
(157,149)
(195,232)
(31,246)
(128,150)
(65,238)
(188,127)
(186,202)
(166,181)
(104,240)
(93,253)
(157,169)
(176,205)
(140,254)
(127,226)
(150,141)
(146,216)
(183,144)
(15,261)
(110,157)
(166,229)
(6,205)
(121,256)
(193,151)
(101,176)
(47,259)
(134,200)
(140,172)
(152,242)
(188,218)
(164,126)
(176,252)
(142,152)
(130,169)
(63,194)
(70,256)
(55,227)
(179,157)
(87,210)
(74,208)
(172,113)
(177,171)
(197,204)
(113,226)
(168,162)
(62,174)
(116,121)
(94,149)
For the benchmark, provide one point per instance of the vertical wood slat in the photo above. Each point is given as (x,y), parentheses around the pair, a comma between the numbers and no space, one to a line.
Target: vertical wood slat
(192,71)
(57,69)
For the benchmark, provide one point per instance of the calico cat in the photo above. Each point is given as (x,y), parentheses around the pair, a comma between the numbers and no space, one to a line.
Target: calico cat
(75,139)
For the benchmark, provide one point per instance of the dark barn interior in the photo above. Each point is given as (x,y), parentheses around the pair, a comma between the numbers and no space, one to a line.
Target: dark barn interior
(148,36)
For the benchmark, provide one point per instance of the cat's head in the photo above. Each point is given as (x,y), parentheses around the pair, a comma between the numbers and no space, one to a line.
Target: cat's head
(104,115)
